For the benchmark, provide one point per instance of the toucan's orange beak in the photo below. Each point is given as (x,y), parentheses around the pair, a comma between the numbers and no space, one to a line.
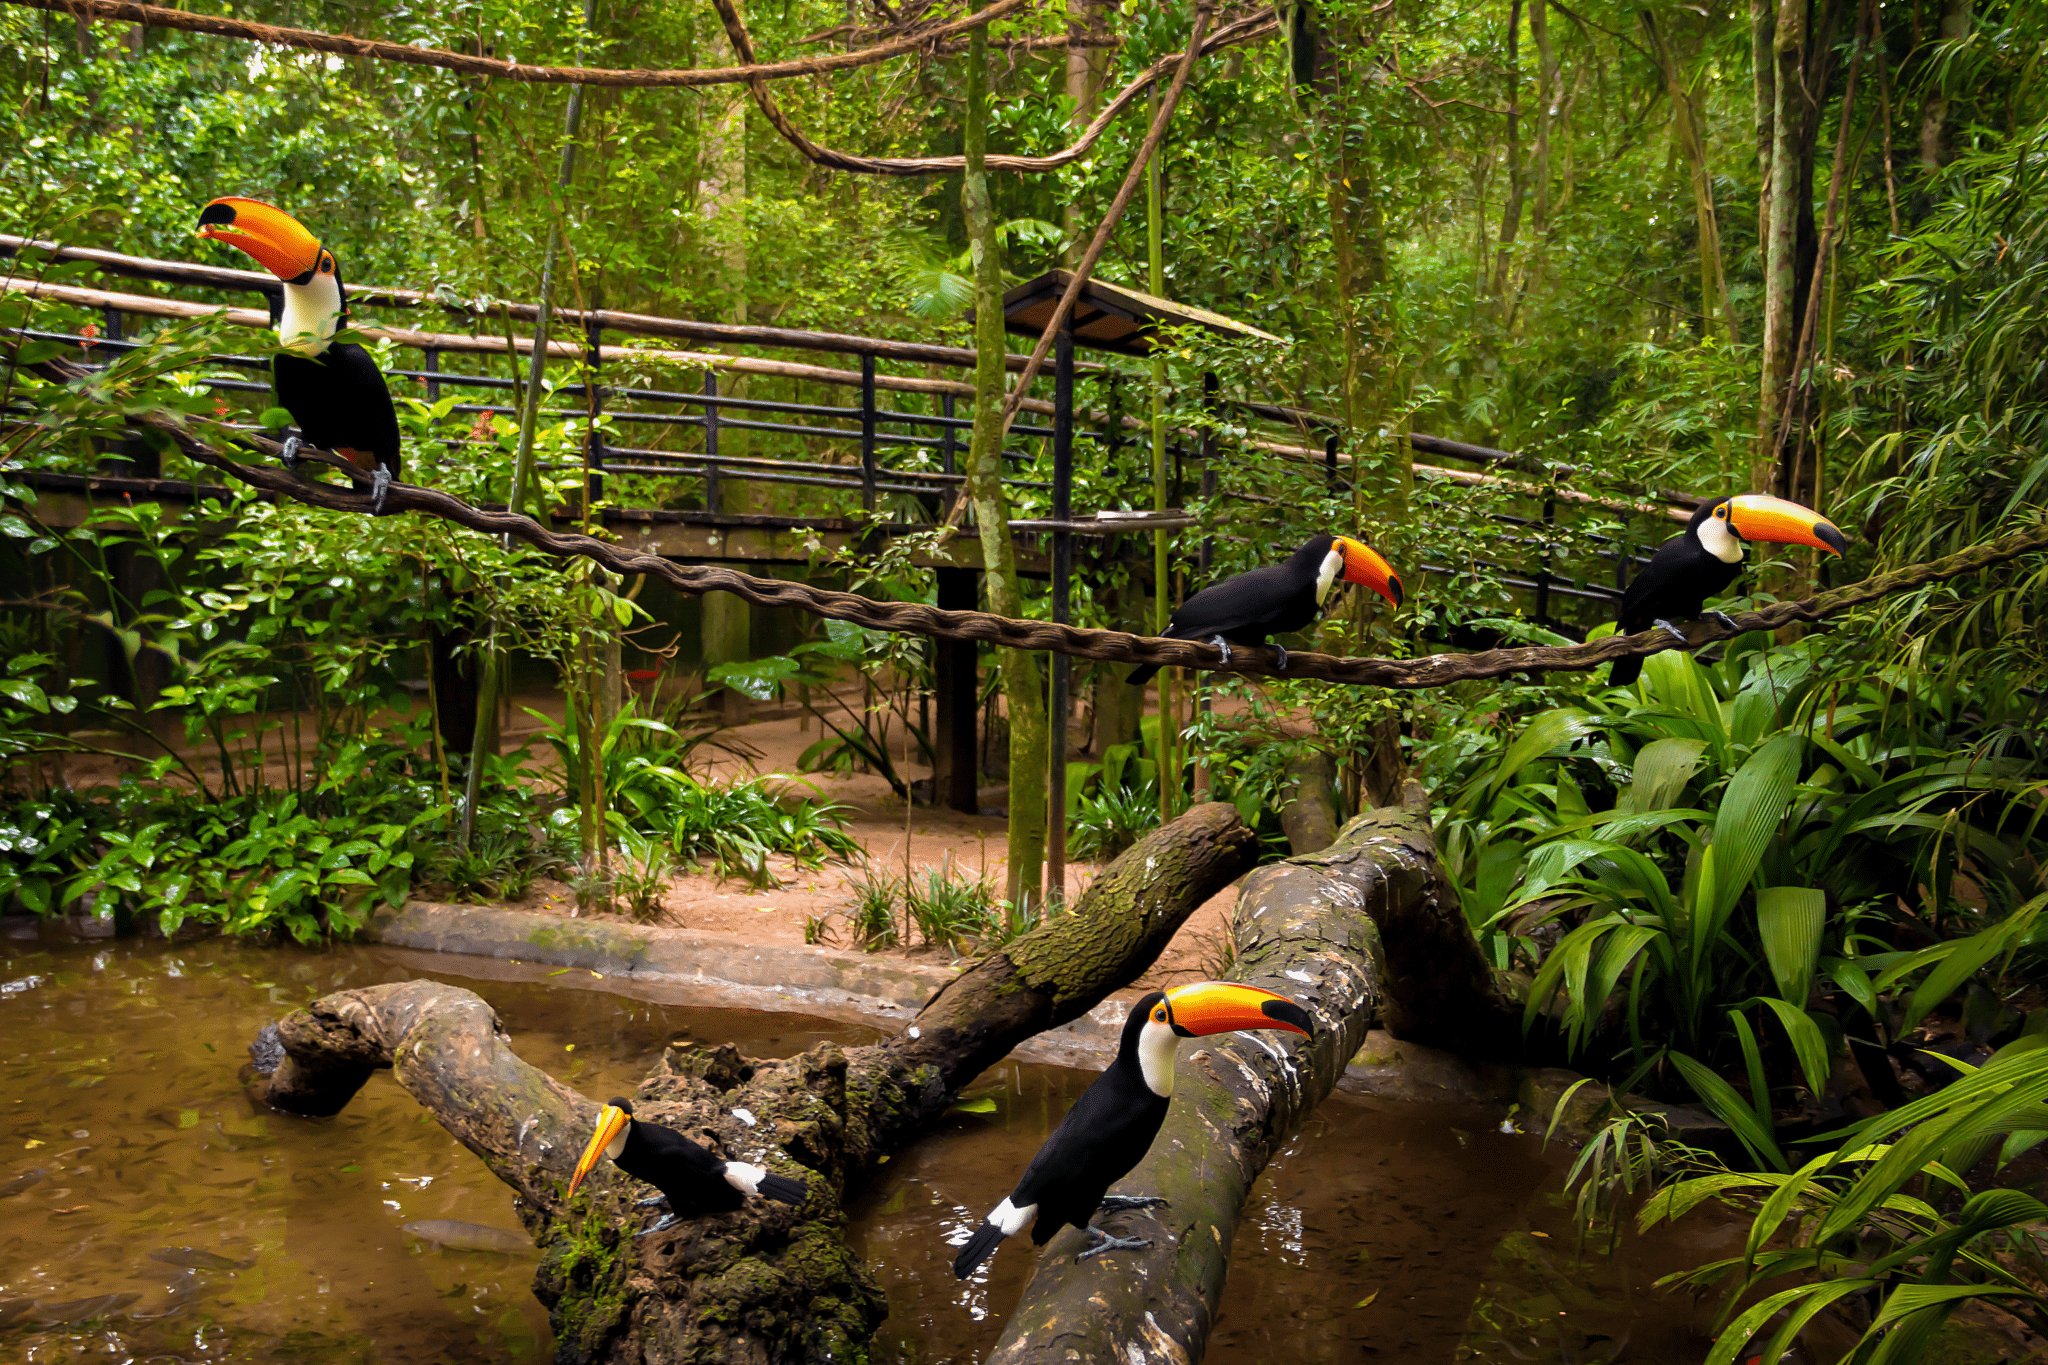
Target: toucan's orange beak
(1362,564)
(278,241)
(1757,516)
(1223,1006)
(611,1121)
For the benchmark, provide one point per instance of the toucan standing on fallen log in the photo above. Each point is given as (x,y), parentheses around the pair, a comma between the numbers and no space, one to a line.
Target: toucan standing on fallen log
(333,389)
(1705,558)
(1111,1126)
(1250,607)
(691,1179)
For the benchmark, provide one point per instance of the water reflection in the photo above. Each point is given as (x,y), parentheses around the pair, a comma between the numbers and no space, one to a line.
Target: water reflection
(149,1210)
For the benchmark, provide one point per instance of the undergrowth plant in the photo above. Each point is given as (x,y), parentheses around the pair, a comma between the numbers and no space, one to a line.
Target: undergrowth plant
(1725,840)
(1886,1223)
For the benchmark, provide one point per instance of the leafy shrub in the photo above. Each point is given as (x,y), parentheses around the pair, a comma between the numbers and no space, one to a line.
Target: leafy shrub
(1726,838)
(1844,1224)
(950,911)
(740,825)
(872,917)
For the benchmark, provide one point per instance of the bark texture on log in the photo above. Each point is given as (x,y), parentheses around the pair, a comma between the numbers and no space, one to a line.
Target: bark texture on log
(770,1283)
(1310,815)
(1321,930)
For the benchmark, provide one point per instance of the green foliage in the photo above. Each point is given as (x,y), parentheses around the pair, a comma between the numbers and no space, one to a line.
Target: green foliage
(1887,1216)
(1723,838)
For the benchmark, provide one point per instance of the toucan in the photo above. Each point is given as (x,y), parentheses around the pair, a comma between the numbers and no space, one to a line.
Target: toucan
(1706,557)
(333,389)
(1248,608)
(1111,1126)
(690,1179)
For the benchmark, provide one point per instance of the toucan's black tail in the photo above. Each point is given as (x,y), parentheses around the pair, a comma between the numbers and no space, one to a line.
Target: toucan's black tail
(979,1248)
(782,1189)
(1142,674)
(1623,672)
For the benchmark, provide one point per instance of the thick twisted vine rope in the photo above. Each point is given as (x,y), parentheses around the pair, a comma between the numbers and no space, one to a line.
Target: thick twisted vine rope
(219,26)
(915,618)
(1251,28)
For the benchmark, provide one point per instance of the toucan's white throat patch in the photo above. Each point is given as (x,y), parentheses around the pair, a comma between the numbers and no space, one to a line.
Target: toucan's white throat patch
(312,314)
(1326,577)
(1719,541)
(1158,1046)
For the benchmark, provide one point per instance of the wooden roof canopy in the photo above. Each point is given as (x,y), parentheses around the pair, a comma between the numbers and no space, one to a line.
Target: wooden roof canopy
(1109,317)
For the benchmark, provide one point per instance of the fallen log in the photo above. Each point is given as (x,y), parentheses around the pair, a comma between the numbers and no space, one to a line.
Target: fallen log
(1322,929)
(770,1283)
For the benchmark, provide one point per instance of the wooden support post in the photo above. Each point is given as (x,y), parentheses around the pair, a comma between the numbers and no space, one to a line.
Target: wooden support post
(1543,571)
(1062,588)
(949,447)
(1330,444)
(593,440)
(867,433)
(711,489)
(955,680)
(430,361)
(1208,555)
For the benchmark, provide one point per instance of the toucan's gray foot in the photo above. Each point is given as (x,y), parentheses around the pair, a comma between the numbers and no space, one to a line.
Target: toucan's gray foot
(1222,645)
(668,1220)
(289,456)
(380,484)
(1281,650)
(1118,1203)
(1721,619)
(1106,1242)
(650,1201)
(1675,631)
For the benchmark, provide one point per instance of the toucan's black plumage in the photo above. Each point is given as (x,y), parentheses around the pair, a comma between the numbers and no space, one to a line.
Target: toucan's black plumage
(1702,560)
(1111,1127)
(333,389)
(691,1179)
(340,402)
(1250,608)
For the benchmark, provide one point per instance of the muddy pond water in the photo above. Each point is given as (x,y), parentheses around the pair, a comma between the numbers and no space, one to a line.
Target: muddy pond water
(149,1211)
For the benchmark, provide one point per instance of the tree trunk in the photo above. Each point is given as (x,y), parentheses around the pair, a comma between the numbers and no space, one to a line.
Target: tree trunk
(770,1283)
(1687,121)
(1023,694)
(1310,813)
(1349,934)
(1546,99)
(1085,69)
(1518,175)
(1955,26)
(1781,240)
(727,626)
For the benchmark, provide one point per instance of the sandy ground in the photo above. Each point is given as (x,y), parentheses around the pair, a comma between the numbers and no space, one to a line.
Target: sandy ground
(966,845)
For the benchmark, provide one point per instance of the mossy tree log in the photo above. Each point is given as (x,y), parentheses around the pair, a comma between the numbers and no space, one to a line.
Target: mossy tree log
(1338,931)
(770,1283)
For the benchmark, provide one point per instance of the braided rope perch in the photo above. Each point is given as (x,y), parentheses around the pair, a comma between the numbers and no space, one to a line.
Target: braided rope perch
(916,618)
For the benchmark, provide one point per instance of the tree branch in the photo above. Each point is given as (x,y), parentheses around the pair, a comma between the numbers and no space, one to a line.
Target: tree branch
(1250,29)
(153,16)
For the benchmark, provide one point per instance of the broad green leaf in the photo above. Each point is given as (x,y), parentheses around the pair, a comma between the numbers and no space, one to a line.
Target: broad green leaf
(1663,767)
(1789,920)
(1751,808)
(1808,1045)
(1731,1109)
(1548,731)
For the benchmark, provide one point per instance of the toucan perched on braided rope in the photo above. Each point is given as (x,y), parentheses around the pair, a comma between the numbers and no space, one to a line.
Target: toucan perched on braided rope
(1111,1127)
(691,1179)
(1249,608)
(1706,557)
(333,389)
